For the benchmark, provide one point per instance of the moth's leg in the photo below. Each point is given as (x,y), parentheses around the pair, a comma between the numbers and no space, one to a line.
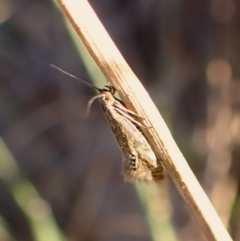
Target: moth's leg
(126,115)
(124,112)
(123,108)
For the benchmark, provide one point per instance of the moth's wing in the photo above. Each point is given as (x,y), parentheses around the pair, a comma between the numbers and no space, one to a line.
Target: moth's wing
(139,143)
(128,135)
(142,173)
(133,143)
(146,153)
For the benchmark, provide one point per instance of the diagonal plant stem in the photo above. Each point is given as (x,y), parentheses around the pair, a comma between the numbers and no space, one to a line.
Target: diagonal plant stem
(110,61)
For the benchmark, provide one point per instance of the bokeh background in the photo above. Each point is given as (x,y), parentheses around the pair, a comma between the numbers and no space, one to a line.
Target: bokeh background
(60,169)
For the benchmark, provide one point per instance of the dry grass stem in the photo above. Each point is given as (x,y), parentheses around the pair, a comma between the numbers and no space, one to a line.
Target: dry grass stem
(110,61)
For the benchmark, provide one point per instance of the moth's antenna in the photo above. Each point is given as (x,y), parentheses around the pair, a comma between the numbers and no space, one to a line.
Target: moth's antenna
(75,77)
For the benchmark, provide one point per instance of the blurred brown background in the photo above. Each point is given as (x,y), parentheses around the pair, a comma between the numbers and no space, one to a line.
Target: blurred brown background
(60,170)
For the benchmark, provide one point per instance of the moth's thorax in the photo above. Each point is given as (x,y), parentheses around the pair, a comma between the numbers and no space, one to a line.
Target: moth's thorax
(107,99)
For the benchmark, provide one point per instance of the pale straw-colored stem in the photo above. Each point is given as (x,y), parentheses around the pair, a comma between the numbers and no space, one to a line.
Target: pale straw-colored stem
(116,70)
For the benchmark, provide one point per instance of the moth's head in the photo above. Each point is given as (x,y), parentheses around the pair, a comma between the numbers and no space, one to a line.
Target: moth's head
(108,88)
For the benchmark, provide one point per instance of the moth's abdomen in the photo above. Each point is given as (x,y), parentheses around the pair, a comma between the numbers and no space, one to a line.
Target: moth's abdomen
(158,173)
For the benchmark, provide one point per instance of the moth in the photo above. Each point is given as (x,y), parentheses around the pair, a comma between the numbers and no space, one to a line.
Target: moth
(139,162)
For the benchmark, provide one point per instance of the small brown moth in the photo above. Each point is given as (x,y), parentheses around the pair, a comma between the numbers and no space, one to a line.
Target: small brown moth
(139,161)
